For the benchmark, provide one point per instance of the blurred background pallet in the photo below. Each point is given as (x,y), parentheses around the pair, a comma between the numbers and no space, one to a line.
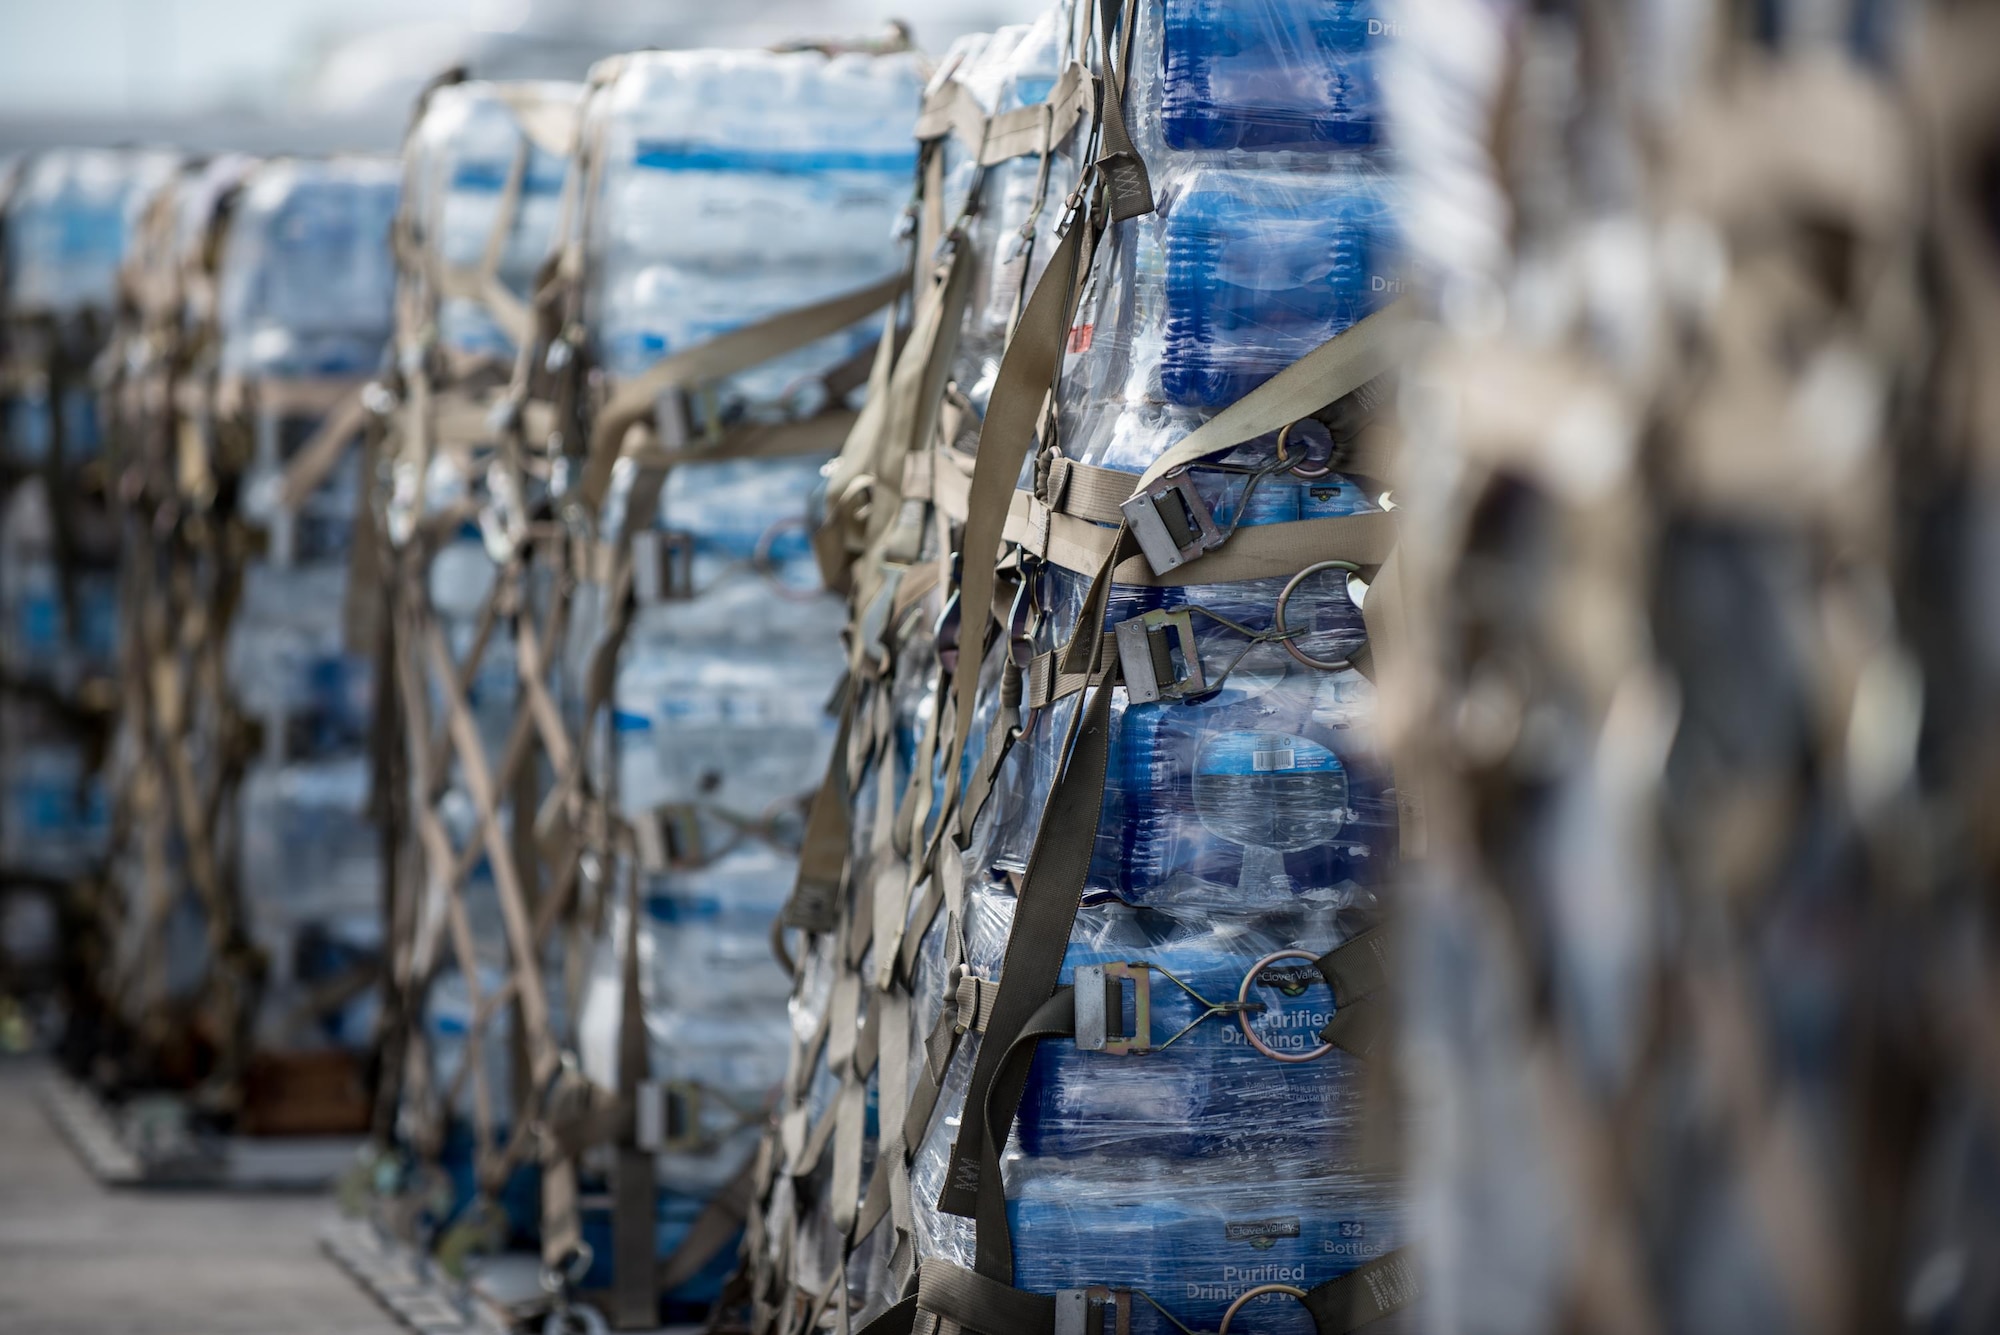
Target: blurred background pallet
(149,1143)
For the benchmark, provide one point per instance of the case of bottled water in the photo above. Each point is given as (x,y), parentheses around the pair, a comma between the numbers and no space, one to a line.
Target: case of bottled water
(307,275)
(738,185)
(735,186)
(67,222)
(459,160)
(1248,807)
(305,292)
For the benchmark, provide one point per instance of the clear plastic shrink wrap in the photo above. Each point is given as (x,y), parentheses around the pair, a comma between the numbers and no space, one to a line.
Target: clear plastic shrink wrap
(735,186)
(69,215)
(1251,811)
(305,289)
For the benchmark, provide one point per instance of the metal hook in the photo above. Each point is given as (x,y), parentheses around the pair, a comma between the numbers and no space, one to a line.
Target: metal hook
(1243,1015)
(1243,1298)
(1305,467)
(1285,633)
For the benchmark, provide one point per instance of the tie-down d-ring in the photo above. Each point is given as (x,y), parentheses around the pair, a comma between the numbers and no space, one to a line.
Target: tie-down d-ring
(1285,632)
(1243,1015)
(1288,1290)
(1307,467)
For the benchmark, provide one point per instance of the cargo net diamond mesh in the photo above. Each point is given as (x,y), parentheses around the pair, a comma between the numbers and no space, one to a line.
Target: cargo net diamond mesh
(245,927)
(1092,905)
(67,217)
(615,397)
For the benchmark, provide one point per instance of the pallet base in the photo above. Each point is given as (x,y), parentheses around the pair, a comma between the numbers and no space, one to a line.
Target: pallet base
(406,1288)
(99,1135)
(502,1298)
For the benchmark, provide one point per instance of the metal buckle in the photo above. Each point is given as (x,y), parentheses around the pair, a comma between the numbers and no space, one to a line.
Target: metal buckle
(662,565)
(1146,656)
(1098,996)
(1172,522)
(669,1116)
(1082,1311)
(681,836)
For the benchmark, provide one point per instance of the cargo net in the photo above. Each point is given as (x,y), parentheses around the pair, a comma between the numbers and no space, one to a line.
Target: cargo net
(66,219)
(1087,1030)
(245,935)
(1701,961)
(477,767)
(597,625)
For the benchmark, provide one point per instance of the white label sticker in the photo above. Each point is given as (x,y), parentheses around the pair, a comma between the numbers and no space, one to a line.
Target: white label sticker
(1265,761)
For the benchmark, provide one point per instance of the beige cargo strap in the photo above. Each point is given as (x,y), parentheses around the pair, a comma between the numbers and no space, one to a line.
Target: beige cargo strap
(737,350)
(1333,370)
(1022,132)
(322,452)
(482,283)
(1260,551)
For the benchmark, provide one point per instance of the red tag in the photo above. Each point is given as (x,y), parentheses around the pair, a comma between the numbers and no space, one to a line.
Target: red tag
(1080,337)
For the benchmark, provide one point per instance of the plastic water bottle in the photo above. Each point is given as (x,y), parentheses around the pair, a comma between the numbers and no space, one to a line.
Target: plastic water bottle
(288,664)
(738,185)
(1271,74)
(1267,789)
(714,949)
(56,816)
(1210,1094)
(1261,268)
(307,277)
(462,154)
(1011,68)
(1194,1247)
(67,223)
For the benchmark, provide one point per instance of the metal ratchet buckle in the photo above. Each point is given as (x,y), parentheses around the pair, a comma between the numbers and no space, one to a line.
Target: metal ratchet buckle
(662,565)
(680,832)
(1172,522)
(1308,977)
(1147,657)
(1100,1007)
(668,1116)
(1083,1311)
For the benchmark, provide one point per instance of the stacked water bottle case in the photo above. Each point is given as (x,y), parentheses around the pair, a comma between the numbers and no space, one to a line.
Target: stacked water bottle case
(306,283)
(68,218)
(736,187)
(1060,824)
(1190,1135)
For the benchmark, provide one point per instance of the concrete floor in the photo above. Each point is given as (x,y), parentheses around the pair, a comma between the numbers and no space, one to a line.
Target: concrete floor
(76,1259)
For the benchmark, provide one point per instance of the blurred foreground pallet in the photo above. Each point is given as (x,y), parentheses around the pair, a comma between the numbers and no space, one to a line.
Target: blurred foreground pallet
(121,1149)
(502,1296)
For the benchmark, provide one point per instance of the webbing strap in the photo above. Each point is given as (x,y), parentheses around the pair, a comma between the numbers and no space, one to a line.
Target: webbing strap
(898,1320)
(1385,1285)
(1259,551)
(823,854)
(1027,368)
(1333,370)
(721,356)
(1035,949)
(316,459)
(1024,131)
(983,1306)
(1123,170)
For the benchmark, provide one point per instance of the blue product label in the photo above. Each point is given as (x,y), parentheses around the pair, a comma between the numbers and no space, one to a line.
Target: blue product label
(673,155)
(1196,1248)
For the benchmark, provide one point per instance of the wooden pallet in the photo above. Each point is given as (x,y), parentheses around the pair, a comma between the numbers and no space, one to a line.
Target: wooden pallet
(98,1134)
